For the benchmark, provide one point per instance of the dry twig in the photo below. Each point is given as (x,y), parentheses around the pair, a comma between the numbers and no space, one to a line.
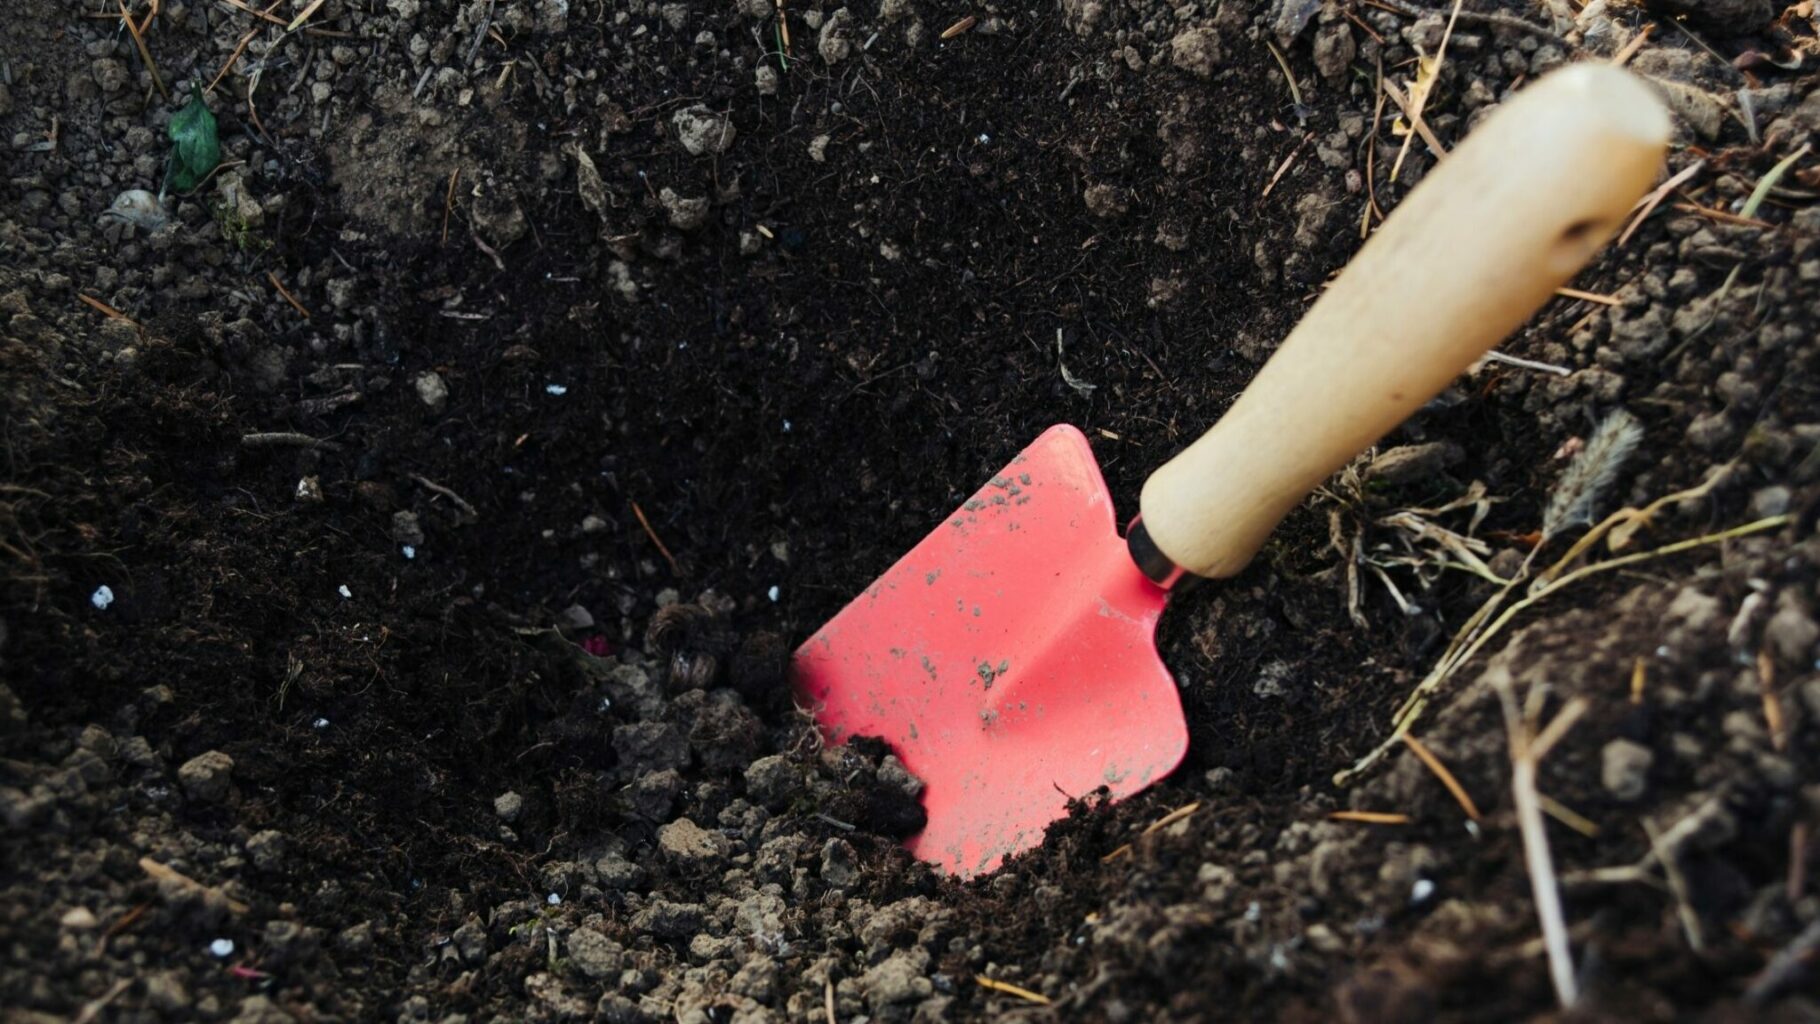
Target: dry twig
(448,203)
(272,276)
(92,1010)
(1440,771)
(104,309)
(1283,168)
(1677,884)
(1647,205)
(1396,93)
(308,12)
(958,28)
(1370,817)
(461,503)
(1171,818)
(1494,356)
(286,439)
(1423,87)
(166,873)
(1481,626)
(145,53)
(1722,217)
(1786,968)
(1011,990)
(1568,816)
(1575,293)
(661,549)
(1504,20)
(1526,751)
(1623,56)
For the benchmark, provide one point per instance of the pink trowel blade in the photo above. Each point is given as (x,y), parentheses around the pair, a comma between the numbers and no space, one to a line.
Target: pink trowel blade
(1009,659)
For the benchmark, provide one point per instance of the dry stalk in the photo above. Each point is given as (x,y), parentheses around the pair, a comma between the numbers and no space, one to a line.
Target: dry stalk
(1423,86)
(1623,56)
(1011,990)
(1407,105)
(1418,748)
(160,872)
(1786,969)
(1586,296)
(1526,751)
(649,532)
(286,439)
(1370,817)
(285,293)
(461,503)
(145,52)
(1677,884)
(1171,818)
(1647,205)
(1475,633)
(1568,816)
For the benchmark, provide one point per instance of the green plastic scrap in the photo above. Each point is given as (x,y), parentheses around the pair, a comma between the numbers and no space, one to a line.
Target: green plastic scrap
(196,143)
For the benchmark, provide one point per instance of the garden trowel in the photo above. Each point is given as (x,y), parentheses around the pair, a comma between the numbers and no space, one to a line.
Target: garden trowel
(1009,658)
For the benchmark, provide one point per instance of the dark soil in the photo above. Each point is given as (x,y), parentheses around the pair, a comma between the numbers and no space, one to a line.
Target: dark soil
(632,352)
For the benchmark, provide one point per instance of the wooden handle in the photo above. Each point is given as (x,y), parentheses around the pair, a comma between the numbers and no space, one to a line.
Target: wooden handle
(1477,247)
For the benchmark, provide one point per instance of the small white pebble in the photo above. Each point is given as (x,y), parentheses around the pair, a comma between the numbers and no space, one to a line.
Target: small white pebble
(320,723)
(102,597)
(772,593)
(1419,892)
(222,948)
(555,389)
(409,552)
(344,591)
(606,704)
(786,426)
(984,138)
(553,900)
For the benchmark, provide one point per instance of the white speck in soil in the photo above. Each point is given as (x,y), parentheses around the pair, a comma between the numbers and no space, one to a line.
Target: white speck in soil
(409,552)
(320,723)
(1254,912)
(984,138)
(1421,891)
(553,900)
(344,591)
(786,426)
(772,594)
(221,948)
(606,704)
(1662,651)
(555,389)
(102,597)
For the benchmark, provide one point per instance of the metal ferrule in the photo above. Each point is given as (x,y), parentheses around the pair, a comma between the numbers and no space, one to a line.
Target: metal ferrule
(1151,561)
